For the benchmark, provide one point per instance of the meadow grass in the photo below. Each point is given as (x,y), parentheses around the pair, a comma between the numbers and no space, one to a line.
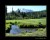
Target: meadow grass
(26,22)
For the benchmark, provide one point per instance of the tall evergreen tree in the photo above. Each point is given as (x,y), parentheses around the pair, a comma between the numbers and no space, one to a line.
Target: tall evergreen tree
(18,10)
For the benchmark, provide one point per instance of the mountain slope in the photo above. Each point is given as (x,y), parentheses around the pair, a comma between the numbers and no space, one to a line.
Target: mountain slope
(24,10)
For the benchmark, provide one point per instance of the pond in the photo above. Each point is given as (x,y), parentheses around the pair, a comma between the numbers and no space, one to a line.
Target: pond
(28,29)
(16,30)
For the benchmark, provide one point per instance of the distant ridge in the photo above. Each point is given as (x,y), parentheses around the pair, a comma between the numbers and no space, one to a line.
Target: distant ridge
(25,10)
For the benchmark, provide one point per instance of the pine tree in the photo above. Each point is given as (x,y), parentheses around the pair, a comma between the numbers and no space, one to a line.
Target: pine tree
(18,11)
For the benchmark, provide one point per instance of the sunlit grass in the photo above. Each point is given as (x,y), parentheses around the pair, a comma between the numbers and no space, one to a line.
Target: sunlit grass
(27,22)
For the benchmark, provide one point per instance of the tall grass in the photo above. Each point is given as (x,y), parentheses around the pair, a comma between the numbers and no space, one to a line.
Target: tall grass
(27,22)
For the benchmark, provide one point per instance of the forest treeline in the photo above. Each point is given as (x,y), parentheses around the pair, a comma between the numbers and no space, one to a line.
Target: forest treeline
(22,15)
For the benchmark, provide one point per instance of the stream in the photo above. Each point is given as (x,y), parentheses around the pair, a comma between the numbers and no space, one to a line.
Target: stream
(15,29)
(28,30)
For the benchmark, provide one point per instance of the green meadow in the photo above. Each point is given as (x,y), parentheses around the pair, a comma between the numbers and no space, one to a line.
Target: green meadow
(26,22)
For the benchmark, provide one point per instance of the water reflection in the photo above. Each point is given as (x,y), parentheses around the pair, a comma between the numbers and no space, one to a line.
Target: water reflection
(15,30)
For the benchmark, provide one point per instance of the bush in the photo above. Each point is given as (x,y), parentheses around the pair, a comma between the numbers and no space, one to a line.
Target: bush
(26,26)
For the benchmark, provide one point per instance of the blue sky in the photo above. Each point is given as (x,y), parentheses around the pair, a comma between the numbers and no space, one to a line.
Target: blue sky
(34,8)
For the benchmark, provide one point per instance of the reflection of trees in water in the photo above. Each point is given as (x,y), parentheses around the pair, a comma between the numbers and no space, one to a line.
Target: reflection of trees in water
(28,30)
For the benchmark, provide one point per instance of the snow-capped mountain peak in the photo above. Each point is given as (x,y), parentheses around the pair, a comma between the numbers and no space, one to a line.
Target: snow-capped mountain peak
(25,10)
